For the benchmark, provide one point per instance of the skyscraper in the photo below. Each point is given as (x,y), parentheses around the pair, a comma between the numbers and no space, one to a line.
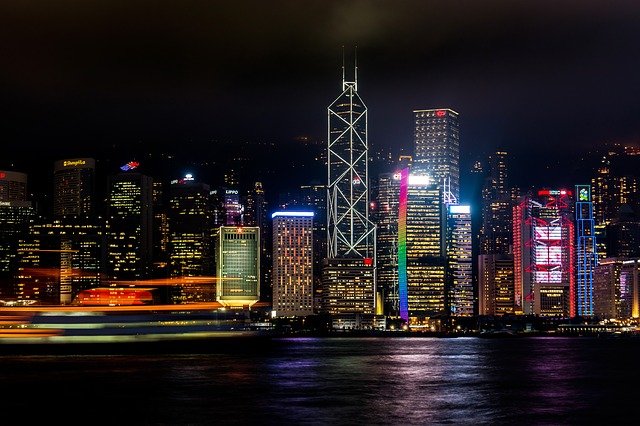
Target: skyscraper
(74,188)
(496,229)
(190,244)
(437,146)
(586,250)
(129,226)
(293,263)
(421,249)
(386,217)
(238,266)
(544,254)
(16,214)
(351,235)
(460,297)
(496,291)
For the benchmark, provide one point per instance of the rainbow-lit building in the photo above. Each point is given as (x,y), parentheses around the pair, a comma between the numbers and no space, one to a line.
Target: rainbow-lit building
(421,249)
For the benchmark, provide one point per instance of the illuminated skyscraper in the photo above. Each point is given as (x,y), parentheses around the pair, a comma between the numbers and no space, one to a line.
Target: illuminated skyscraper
(293,263)
(74,188)
(459,284)
(544,254)
(13,186)
(351,235)
(495,233)
(496,285)
(58,260)
(129,226)
(16,214)
(160,232)
(255,214)
(437,146)
(606,288)
(421,249)
(190,244)
(238,266)
(386,217)
(587,256)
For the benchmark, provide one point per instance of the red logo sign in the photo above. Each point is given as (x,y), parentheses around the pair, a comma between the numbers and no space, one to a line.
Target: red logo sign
(368,261)
(441,113)
(3,175)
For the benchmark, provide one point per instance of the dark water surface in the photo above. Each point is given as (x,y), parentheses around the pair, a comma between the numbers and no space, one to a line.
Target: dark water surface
(364,381)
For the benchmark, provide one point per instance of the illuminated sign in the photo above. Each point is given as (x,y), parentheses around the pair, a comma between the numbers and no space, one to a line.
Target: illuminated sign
(188,176)
(441,113)
(584,192)
(460,209)
(290,214)
(73,163)
(130,166)
(231,191)
(3,175)
(396,176)
(554,192)
(357,181)
(367,261)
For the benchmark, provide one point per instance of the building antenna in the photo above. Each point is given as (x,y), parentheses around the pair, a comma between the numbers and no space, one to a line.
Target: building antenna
(343,78)
(355,65)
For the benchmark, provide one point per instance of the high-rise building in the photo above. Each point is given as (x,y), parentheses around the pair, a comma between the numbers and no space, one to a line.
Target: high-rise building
(129,226)
(74,188)
(544,254)
(496,228)
(437,146)
(293,263)
(351,235)
(13,186)
(496,284)
(255,214)
(160,236)
(606,288)
(628,291)
(386,218)
(189,229)
(458,279)
(59,259)
(421,249)
(586,252)
(15,218)
(238,266)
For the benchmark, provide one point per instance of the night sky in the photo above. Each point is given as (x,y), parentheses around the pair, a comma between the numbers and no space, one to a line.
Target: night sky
(544,80)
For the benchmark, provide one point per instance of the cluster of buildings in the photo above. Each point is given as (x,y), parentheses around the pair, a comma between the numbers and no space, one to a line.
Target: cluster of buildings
(361,249)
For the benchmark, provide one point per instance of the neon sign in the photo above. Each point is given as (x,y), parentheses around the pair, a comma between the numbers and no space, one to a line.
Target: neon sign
(441,113)
(71,163)
(130,166)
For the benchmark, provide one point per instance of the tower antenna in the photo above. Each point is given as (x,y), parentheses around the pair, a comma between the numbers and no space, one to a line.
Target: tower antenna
(343,78)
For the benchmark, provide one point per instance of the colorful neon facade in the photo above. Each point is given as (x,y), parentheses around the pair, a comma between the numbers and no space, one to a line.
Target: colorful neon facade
(587,255)
(402,244)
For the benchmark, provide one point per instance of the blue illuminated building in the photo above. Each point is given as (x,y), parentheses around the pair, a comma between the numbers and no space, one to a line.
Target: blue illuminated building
(587,256)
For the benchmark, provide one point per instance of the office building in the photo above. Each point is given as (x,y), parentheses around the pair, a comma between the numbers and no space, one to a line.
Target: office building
(586,252)
(293,263)
(544,254)
(458,280)
(387,201)
(74,188)
(13,186)
(238,266)
(189,215)
(351,234)
(421,249)
(496,292)
(129,226)
(437,146)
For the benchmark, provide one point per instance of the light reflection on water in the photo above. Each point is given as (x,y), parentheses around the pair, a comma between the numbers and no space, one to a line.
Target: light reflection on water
(341,381)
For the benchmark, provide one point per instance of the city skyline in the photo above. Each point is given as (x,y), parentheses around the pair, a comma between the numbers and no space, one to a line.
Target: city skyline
(113,74)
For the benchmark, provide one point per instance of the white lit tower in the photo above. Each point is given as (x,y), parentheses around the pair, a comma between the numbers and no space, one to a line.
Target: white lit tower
(351,235)
(350,232)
